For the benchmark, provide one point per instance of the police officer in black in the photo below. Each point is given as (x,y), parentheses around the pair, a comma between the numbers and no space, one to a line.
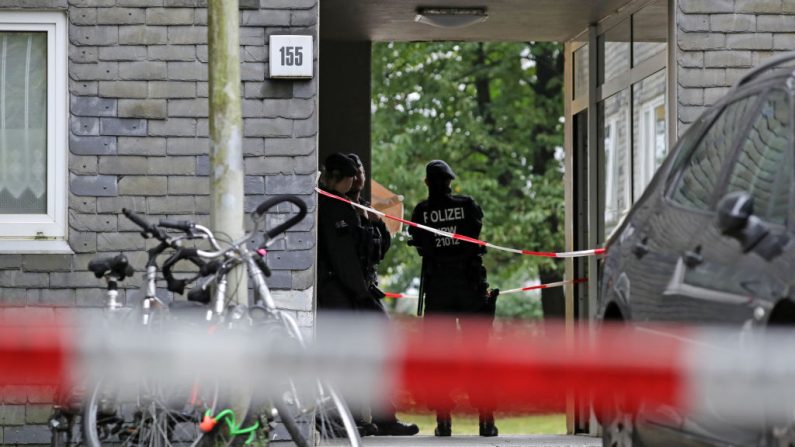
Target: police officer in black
(372,244)
(340,276)
(454,279)
(341,285)
(373,238)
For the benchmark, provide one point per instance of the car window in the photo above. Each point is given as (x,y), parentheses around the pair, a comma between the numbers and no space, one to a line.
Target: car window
(701,172)
(684,146)
(763,163)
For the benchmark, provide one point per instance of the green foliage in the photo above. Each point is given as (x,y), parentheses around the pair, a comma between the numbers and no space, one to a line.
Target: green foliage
(493,111)
(521,305)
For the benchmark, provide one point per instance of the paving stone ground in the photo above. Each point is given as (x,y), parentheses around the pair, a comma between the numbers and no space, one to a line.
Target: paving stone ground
(477,441)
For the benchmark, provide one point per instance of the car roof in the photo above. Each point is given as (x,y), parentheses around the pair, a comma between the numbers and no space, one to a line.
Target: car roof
(780,76)
(779,69)
(768,65)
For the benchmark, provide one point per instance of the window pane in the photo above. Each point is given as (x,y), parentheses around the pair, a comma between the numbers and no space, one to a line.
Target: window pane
(649,31)
(649,129)
(614,51)
(23,123)
(581,71)
(763,164)
(616,139)
(701,171)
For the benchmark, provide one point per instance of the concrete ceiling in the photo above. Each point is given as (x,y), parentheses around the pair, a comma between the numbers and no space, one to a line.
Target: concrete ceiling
(509,20)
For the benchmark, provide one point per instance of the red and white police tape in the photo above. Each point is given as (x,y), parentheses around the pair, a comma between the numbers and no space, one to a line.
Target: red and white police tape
(549,285)
(461,237)
(739,375)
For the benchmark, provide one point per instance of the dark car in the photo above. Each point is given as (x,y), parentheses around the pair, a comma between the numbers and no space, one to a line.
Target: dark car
(710,241)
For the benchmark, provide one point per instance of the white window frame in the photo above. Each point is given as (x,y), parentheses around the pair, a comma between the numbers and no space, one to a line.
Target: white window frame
(45,233)
(611,193)
(610,148)
(648,138)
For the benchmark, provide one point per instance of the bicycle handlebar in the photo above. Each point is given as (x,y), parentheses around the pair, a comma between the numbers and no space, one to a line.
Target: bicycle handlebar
(148,229)
(184,225)
(281,228)
(197,257)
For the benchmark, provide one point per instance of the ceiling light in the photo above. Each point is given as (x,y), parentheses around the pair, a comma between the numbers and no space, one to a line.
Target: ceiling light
(451,17)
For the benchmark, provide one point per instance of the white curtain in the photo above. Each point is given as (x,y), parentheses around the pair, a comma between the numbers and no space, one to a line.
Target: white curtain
(23,122)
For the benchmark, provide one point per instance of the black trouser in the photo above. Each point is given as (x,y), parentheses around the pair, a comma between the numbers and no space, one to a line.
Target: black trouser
(386,414)
(374,307)
(451,299)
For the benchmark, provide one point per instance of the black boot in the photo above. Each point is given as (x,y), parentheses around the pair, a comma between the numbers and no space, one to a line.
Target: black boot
(389,425)
(444,425)
(487,427)
(367,429)
(396,428)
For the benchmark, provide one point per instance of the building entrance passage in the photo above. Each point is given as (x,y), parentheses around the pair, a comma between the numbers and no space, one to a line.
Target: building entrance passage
(613,130)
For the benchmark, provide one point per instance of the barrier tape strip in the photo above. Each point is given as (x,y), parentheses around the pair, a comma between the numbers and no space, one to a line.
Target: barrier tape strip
(691,370)
(461,237)
(371,360)
(506,292)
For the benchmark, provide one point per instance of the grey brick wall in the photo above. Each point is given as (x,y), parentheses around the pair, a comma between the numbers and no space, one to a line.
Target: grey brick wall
(139,139)
(719,40)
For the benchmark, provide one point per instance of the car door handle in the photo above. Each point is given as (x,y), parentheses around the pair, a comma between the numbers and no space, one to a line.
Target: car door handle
(641,248)
(693,258)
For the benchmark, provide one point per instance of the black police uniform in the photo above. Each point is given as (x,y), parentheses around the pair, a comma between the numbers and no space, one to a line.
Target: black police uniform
(373,241)
(341,281)
(455,279)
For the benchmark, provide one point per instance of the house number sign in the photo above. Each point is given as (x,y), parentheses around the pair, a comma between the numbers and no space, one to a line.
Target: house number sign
(291,57)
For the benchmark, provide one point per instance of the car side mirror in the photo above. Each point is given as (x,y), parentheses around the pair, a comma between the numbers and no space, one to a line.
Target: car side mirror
(734,210)
(736,219)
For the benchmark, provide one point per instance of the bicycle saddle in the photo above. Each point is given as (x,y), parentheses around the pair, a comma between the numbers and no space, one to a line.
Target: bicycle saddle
(117,267)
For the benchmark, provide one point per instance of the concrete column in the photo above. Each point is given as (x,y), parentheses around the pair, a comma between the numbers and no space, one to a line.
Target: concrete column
(345,100)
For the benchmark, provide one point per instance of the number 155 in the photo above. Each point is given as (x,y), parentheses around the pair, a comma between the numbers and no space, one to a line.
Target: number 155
(292,56)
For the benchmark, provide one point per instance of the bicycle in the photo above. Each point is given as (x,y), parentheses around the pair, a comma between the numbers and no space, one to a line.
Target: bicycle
(114,270)
(159,421)
(68,408)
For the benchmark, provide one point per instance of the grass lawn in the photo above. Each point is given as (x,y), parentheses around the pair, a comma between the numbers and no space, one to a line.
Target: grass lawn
(553,424)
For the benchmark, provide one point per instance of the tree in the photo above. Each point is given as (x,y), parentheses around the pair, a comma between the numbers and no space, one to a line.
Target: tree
(494,112)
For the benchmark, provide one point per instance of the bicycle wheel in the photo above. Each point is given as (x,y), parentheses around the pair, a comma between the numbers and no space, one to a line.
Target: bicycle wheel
(324,420)
(151,415)
(313,414)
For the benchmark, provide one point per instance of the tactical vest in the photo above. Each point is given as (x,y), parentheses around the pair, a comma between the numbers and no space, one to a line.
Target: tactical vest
(454,214)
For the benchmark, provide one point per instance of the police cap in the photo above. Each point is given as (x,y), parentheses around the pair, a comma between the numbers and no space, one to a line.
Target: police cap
(439,169)
(356,159)
(341,163)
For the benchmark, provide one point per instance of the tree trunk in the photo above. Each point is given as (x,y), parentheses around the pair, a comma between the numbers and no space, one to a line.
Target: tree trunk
(552,300)
(549,65)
